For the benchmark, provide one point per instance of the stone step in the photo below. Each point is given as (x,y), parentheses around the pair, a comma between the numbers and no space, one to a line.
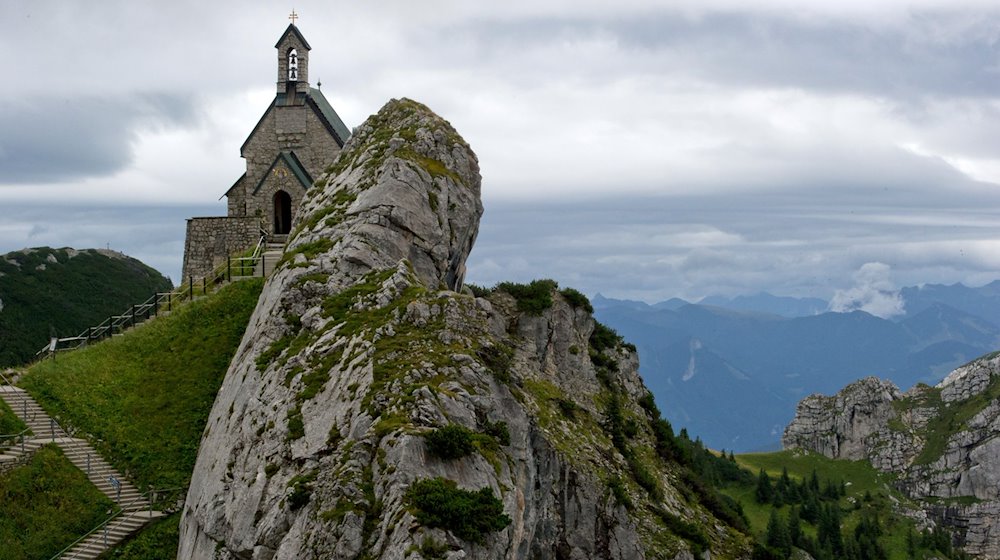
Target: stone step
(118,529)
(268,261)
(84,457)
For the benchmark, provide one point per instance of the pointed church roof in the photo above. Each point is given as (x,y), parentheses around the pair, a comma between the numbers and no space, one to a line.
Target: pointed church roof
(294,164)
(292,29)
(340,131)
(317,101)
(236,184)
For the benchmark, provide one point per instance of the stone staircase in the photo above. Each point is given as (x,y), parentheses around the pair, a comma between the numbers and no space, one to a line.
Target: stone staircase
(273,251)
(117,530)
(135,512)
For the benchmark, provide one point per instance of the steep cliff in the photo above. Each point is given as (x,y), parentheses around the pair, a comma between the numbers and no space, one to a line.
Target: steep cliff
(942,442)
(372,411)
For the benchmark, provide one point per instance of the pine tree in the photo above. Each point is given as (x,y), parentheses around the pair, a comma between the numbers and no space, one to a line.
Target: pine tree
(795,527)
(777,535)
(810,509)
(828,529)
(765,492)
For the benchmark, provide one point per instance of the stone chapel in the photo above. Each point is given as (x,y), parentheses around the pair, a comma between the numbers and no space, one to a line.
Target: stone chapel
(298,137)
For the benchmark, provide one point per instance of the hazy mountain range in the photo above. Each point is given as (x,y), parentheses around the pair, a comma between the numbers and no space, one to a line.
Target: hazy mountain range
(732,370)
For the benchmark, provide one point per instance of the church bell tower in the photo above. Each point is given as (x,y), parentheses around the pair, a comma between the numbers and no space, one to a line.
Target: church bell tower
(293,61)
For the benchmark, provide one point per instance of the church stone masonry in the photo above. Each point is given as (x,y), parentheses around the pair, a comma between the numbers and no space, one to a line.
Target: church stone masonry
(298,137)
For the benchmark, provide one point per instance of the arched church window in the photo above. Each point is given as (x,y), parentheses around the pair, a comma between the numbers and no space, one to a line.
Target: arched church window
(293,65)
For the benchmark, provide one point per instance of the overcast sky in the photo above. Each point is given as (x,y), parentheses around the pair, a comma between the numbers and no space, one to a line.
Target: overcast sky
(640,149)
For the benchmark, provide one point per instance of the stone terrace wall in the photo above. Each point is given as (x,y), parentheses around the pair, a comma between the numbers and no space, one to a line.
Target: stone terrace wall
(210,240)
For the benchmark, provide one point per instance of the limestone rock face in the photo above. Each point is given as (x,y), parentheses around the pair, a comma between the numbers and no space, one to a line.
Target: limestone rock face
(360,347)
(942,442)
(407,186)
(843,426)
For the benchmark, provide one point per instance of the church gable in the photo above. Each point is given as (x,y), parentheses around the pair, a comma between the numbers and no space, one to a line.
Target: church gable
(285,168)
(296,34)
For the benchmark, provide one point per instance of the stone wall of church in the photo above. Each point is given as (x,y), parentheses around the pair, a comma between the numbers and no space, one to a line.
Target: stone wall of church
(210,240)
(236,199)
(295,129)
(322,148)
(262,203)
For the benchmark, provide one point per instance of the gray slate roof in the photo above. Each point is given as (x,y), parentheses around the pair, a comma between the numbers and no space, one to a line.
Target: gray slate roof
(292,29)
(340,130)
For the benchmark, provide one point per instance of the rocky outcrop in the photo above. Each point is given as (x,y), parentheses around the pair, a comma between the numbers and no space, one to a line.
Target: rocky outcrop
(361,346)
(941,441)
(849,425)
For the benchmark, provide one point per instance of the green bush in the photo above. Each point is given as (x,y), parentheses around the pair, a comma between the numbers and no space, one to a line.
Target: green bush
(648,403)
(433,550)
(567,407)
(497,359)
(438,502)
(686,530)
(618,490)
(498,431)
(577,299)
(296,427)
(450,442)
(604,338)
(644,477)
(301,490)
(533,298)
(478,290)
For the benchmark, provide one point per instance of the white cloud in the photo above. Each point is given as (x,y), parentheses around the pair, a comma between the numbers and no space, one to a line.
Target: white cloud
(873,293)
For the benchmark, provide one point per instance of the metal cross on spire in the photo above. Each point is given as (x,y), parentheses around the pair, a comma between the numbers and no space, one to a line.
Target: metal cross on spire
(293,16)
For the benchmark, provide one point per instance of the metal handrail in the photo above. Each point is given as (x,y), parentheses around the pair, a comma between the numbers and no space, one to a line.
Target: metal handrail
(150,308)
(149,495)
(22,435)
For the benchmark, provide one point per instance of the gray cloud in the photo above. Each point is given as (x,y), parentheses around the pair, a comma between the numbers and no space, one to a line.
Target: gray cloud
(640,148)
(58,139)
(655,248)
(154,234)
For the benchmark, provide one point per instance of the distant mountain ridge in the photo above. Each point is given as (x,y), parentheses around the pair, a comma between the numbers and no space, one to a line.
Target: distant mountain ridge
(764,302)
(47,292)
(732,370)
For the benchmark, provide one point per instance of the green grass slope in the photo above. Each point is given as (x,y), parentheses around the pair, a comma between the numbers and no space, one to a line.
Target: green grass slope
(851,496)
(45,506)
(10,423)
(144,397)
(60,292)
